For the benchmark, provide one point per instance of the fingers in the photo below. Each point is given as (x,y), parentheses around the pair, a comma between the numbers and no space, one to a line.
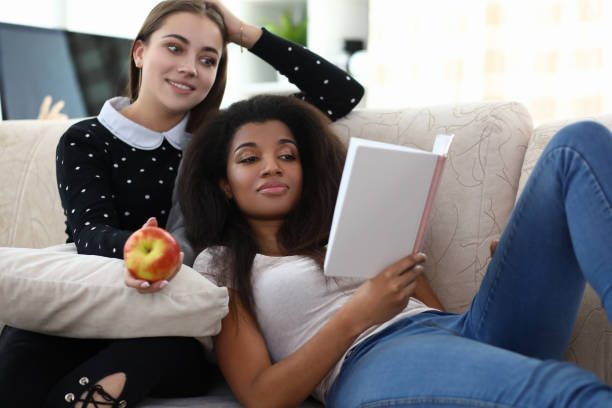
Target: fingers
(408,279)
(55,110)
(232,23)
(155,286)
(132,282)
(400,278)
(44,107)
(406,264)
(143,286)
(48,112)
(151,222)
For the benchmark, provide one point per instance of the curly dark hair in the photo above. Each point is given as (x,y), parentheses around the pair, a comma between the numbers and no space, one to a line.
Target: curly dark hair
(213,220)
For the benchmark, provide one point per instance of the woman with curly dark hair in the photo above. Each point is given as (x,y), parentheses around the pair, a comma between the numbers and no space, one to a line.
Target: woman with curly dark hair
(117,171)
(258,196)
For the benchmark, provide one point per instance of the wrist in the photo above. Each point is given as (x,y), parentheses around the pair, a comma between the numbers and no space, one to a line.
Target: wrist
(350,321)
(247,35)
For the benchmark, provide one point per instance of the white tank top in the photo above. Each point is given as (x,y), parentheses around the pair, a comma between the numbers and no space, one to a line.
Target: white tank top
(293,300)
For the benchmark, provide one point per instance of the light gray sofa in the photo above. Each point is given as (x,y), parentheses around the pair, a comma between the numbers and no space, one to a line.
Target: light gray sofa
(494,150)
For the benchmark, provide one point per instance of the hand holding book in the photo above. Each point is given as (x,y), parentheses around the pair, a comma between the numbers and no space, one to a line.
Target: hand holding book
(383,204)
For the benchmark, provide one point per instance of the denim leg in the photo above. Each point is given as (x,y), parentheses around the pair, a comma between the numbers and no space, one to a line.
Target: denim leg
(559,233)
(418,364)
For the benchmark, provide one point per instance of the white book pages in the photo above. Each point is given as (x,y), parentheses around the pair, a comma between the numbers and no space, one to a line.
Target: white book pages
(382,197)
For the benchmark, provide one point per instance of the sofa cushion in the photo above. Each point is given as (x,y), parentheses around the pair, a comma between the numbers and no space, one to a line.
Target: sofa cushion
(58,292)
(478,186)
(542,135)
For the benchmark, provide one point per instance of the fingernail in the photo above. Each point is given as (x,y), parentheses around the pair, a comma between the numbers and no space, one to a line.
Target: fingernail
(145,285)
(163,284)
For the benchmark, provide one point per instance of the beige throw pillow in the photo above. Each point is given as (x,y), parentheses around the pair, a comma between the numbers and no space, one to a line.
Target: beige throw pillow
(58,292)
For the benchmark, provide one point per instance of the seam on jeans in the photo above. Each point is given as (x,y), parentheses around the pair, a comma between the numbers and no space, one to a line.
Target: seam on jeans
(585,162)
(605,200)
(493,287)
(511,229)
(518,211)
(433,401)
(428,323)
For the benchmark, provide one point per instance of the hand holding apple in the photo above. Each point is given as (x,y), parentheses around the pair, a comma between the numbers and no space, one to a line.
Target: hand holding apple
(151,254)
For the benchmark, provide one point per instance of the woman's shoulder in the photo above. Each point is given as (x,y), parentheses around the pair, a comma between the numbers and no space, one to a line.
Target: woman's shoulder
(87,124)
(90,130)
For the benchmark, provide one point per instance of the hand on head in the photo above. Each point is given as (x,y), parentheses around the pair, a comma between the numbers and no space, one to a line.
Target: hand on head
(232,23)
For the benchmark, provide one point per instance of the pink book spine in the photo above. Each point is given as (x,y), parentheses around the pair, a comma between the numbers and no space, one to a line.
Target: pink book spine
(430,197)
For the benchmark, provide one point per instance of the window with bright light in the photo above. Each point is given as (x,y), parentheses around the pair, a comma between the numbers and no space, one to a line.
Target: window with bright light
(554,56)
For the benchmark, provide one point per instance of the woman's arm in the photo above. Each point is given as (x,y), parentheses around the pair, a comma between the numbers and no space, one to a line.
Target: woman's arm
(244,360)
(324,85)
(425,293)
(321,83)
(85,190)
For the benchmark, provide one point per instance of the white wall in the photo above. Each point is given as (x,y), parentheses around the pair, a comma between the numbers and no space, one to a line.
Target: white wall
(333,21)
(117,18)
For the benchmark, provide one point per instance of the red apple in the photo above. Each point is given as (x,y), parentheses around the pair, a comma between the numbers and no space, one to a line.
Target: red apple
(151,253)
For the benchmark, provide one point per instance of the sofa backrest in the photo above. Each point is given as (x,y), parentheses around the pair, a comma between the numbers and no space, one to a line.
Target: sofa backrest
(478,186)
(474,199)
(542,135)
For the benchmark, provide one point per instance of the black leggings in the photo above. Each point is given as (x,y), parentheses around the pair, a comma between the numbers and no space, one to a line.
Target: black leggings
(38,370)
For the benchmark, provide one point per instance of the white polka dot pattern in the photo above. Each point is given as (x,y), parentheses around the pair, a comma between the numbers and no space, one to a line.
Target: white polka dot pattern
(107,207)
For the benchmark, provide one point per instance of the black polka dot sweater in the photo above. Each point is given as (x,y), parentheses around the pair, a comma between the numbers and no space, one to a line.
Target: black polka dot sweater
(114,174)
(109,188)
(322,84)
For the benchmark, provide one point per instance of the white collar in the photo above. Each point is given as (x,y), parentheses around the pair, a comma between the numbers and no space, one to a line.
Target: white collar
(137,135)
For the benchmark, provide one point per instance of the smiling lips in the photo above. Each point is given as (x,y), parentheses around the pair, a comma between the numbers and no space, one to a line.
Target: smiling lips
(181,86)
(273,188)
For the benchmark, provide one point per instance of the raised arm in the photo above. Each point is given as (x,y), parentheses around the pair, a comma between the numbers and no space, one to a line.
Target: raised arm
(257,382)
(321,83)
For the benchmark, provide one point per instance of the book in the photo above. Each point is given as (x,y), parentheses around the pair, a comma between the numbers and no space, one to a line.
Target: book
(384,199)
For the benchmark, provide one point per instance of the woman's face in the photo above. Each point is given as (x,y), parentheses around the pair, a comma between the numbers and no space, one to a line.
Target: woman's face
(179,62)
(264,172)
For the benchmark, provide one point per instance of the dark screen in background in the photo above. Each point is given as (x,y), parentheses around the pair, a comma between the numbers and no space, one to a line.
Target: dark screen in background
(84,70)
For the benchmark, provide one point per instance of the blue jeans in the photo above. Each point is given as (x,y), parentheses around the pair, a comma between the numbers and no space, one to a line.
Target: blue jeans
(506,350)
